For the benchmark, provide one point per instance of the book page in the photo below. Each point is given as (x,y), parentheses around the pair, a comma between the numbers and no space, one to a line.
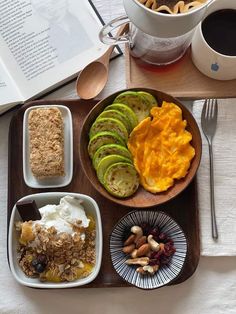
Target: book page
(43,42)
(9,93)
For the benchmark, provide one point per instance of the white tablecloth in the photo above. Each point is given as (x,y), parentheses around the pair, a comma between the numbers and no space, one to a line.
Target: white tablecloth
(211,290)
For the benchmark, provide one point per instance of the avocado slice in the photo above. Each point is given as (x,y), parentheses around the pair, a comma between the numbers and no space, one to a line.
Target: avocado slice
(107,124)
(116,115)
(126,110)
(106,161)
(121,179)
(136,102)
(110,149)
(102,138)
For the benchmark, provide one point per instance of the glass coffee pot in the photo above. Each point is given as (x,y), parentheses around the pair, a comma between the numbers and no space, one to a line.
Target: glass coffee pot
(155,38)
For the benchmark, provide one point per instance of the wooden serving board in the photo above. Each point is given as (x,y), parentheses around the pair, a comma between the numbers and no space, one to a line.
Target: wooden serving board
(181,79)
(183,208)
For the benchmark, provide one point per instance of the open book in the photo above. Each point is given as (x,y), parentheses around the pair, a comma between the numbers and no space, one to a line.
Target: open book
(44,43)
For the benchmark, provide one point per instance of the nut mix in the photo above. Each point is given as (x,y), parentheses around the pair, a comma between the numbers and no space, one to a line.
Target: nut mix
(148,248)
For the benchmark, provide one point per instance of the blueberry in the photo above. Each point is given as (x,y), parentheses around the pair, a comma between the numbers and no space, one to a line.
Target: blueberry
(40,268)
(34,262)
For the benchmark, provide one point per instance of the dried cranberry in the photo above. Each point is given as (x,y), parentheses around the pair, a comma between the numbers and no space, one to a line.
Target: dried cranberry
(165,259)
(155,232)
(154,261)
(42,258)
(169,241)
(162,237)
(153,255)
(146,228)
(169,249)
(158,254)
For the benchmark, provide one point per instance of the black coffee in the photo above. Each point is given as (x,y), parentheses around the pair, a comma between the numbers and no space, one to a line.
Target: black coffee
(219,31)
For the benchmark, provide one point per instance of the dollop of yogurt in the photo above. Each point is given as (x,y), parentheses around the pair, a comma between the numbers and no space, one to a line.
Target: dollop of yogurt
(67,214)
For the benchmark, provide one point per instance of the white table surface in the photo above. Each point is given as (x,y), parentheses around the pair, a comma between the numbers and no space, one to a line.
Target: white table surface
(211,290)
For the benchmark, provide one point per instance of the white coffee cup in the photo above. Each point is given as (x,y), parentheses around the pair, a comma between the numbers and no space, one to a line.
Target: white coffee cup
(208,61)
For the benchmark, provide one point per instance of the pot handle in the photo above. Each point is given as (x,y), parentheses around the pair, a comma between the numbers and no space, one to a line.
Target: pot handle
(207,7)
(112,25)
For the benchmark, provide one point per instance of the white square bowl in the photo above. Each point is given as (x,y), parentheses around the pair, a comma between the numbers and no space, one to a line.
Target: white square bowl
(42,199)
(56,182)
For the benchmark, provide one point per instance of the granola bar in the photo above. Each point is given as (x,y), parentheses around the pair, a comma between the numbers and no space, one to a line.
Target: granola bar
(46,141)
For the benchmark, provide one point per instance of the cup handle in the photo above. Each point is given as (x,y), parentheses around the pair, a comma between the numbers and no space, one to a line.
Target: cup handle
(112,25)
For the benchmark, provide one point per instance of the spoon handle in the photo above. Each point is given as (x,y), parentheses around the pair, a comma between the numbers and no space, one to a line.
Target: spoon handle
(122,29)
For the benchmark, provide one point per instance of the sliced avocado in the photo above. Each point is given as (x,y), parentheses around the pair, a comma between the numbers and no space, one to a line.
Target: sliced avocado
(126,110)
(136,102)
(116,115)
(105,162)
(110,149)
(107,124)
(102,138)
(121,179)
(149,97)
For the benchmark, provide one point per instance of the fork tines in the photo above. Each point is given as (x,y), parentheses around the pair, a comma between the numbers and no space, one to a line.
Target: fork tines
(209,115)
(210,108)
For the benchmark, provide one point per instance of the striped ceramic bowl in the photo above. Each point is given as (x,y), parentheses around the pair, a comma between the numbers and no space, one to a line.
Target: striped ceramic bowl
(167,273)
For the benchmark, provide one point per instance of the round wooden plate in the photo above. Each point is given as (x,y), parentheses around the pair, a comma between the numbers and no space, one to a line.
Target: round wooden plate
(142,198)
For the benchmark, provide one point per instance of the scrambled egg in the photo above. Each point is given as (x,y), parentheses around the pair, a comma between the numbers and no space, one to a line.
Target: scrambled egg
(161,148)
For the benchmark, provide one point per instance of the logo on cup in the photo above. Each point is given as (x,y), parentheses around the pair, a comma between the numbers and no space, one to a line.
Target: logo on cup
(215,67)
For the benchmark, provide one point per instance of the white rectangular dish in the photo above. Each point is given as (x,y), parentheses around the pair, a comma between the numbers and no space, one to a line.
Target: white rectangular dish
(41,199)
(54,182)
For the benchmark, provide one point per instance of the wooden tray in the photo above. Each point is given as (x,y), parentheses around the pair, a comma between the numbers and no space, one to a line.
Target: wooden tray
(183,208)
(181,79)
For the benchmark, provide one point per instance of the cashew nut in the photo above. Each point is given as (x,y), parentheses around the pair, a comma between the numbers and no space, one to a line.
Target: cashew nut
(151,269)
(137,231)
(143,261)
(147,269)
(155,246)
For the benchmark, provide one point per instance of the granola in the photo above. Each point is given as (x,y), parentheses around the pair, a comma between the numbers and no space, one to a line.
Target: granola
(55,255)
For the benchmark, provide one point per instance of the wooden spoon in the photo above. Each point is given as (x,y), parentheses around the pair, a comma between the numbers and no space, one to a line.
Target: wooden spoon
(93,77)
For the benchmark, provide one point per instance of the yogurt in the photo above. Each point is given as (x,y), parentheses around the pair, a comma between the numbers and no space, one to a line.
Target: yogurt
(63,217)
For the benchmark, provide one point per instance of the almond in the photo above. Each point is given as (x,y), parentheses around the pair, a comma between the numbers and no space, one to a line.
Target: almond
(128,248)
(130,239)
(141,241)
(143,250)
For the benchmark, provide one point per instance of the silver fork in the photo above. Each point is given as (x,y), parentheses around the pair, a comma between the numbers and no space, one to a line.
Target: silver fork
(208,122)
